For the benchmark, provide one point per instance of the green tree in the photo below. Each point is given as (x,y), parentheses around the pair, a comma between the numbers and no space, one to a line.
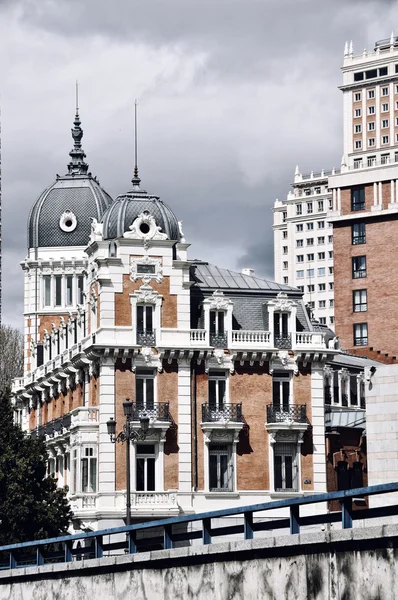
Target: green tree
(11,355)
(31,505)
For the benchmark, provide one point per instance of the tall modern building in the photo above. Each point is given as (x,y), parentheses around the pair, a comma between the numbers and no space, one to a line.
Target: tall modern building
(365,204)
(303,243)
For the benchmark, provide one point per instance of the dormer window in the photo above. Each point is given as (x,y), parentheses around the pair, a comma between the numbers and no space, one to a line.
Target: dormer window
(145,330)
(218,336)
(281,330)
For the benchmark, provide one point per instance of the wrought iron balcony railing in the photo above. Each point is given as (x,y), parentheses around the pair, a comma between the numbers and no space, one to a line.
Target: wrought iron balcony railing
(277,413)
(211,413)
(156,411)
(146,337)
(218,340)
(56,426)
(284,342)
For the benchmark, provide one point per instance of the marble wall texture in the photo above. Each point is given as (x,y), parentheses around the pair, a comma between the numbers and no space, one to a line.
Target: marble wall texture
(338,565)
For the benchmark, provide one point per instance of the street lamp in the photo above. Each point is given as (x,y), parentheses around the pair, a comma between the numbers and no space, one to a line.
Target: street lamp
(127,435)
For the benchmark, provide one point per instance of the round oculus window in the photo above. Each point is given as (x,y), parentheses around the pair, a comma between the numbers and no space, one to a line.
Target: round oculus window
(68,221)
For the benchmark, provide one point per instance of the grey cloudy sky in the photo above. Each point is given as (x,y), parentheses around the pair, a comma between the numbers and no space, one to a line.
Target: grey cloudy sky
(233,94)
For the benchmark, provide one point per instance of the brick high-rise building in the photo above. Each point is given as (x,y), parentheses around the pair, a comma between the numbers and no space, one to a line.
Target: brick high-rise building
(365,204)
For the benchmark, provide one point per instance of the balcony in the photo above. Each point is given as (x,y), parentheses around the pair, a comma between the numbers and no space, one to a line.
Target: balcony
(54,427)
(219,340)
(156,411)
(283,342)
(251,339)
(287,417)
(225,412)
(154,500)
(146,337)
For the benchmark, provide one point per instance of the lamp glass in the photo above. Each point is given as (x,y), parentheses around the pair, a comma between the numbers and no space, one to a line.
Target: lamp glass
(128,408)
(144,421)
(111,426)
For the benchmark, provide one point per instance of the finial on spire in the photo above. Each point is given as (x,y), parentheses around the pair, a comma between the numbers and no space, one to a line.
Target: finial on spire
(346,49)
(297,171)
(77,165)
(351,50)
(136,179)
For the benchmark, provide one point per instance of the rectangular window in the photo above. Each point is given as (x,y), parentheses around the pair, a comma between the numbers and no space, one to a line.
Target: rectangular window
(144,389)
(47,290)
(384,123)
(144,319)
(80,289)
(357,96)
(371,94)
(321,224)
(358,267)
(330,254)
(317,190)
(358,198)
(310,241)
(311,288)
(321,240)
(284,235)
(284,249)
(301,288)
(330,239)
(371,142)
(371,126)
(285,467)
(300,258)
(321,256)
(331,270)
(357,163)
(310,257)
(331,303)
(307,192)
(371,110)
(371,161)
(357,128)
(300,243)
(385,159)
(145,467)
(384,91)
(299,209)
(322,287)
(358,233)
(331,285)
(143,269)
(321,271)
(310,272)
(322,303)
(384,107)
(299,227)
(299,274)
(383,71)
(361,334)
(58,290)
(310,226)
(360,301)
(320,206)
(217,322)
(357,112)
(220,467)
(358,144)
(385,139)
(309,208)
(281,392)
(217,390)
(322,320)
(281,324)
(358,76)
(88,471)
(69,290)
(284,216)
(286,280)
(285,264)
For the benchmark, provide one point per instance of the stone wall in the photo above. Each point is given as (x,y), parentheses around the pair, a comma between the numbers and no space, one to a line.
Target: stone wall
(347,564)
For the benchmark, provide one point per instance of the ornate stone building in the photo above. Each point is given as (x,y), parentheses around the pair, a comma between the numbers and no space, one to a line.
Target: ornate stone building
(227,367)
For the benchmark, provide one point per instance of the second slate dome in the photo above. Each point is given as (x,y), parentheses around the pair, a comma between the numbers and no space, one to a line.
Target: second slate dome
(127,207)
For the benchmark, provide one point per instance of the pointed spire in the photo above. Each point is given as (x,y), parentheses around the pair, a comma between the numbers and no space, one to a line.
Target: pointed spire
(77,165)
(136,179)
(346,49)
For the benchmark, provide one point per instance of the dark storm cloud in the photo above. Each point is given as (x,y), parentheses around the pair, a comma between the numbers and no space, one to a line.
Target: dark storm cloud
(233,94)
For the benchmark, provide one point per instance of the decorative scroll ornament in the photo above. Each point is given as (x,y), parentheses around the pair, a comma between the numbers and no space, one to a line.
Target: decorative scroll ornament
(33,348)
(146,269)
(218,301)
(96,234)
(282,361)
(218,359)
(144,228)
(282,303)
(146,295)
(93,301)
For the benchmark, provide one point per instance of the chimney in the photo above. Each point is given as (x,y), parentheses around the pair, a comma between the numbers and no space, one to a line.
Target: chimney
(248,271)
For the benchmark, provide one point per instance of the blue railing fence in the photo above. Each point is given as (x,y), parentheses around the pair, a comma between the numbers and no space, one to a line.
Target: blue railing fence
(166,533)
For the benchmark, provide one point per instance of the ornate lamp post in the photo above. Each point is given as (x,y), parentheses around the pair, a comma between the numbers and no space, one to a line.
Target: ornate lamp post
(128,434)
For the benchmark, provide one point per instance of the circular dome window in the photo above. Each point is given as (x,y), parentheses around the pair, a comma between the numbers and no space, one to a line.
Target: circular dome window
(68,221)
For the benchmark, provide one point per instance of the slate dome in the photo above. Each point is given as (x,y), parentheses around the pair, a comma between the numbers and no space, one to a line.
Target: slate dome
(63,212)
(127,207)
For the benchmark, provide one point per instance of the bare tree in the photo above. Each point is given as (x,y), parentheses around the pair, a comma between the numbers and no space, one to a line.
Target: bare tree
(11,355)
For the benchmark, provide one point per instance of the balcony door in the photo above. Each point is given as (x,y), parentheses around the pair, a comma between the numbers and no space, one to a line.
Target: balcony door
(281,392)
(145,467)
(220,467)
(285,467)
(217,390)
(145,389)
